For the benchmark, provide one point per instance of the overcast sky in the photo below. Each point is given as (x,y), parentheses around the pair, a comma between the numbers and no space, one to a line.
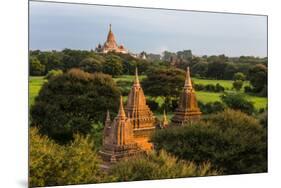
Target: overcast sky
(55,26)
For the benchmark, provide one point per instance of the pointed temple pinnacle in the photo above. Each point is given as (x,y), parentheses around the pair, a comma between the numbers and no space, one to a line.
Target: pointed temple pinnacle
(187,83)
(121,112)
(136,81)
(164,116)
(107,116)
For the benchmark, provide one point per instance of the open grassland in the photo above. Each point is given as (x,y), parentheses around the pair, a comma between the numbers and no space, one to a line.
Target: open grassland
(35,84)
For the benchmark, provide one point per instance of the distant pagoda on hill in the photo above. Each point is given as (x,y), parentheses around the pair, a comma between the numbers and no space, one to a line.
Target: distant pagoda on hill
(188,109)
(111,45)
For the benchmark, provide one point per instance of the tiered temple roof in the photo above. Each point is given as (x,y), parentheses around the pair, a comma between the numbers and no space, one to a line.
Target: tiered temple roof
(188,109)
(118,139)
(131,129)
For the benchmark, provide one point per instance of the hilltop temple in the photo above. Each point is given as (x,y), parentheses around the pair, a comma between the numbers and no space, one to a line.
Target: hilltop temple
(129,133)
(188,109)
(111,45)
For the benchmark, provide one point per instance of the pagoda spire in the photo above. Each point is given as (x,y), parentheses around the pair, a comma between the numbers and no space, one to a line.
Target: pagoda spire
(107,116)
(121,113)
(136,81)
(187,84)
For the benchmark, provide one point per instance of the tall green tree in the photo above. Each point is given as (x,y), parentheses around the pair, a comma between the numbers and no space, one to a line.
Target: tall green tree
(73,102)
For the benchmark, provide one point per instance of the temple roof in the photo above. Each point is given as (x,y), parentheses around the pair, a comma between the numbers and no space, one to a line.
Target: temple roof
(110,36)
(121,112)
(187,84)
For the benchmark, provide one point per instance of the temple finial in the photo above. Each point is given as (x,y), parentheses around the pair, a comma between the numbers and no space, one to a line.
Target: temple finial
(108,116)
(121,112)
(187,83)
(136,81)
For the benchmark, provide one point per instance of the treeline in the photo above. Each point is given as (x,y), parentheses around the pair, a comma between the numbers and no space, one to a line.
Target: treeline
(41,62)
(221,67)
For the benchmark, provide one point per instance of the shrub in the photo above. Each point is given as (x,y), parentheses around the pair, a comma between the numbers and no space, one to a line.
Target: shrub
(211,107)
(158,166)
(231,140)
(238,102)
(53,73)
(70,103)
(52,164)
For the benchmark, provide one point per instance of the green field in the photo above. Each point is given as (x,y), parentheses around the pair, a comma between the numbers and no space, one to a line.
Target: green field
(35,84)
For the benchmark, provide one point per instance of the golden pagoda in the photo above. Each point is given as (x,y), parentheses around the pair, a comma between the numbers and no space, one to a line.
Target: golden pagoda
(111,45)
(118,142)
(142,119)
(188,109)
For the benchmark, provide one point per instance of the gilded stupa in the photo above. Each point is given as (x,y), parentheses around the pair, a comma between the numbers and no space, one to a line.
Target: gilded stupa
(142,119)
(188,109)
(111,45)
(118,138)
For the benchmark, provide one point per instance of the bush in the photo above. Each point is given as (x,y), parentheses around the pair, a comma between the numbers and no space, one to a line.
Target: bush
(211,107)
(52,164)
(53,73)
(231,140)
(158,166)
(209,87)
(238,102)
(70,103)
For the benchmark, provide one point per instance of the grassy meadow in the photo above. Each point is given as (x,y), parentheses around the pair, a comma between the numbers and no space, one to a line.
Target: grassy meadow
(35,84)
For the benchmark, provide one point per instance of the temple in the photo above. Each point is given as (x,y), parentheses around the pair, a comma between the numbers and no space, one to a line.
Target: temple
(130,132)
(188,109)
(118,140)
(111,45)
(142,118)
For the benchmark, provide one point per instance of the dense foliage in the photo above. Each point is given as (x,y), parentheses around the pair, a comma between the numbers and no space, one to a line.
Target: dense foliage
(73,102)
(166,83)
(52,164)
(238,101)
(231,140)
(159,166)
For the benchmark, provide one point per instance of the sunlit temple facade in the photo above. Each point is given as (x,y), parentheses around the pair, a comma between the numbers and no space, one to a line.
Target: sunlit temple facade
(130,131)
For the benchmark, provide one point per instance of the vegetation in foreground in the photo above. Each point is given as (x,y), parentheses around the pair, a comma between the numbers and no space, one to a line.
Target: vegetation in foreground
(231,140)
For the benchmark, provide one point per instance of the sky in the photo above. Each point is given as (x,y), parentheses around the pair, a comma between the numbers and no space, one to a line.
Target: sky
(55,26)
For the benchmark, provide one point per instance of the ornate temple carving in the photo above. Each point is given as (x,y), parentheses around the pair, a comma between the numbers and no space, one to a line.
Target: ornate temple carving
(188,109)
(118,142)
(111,45)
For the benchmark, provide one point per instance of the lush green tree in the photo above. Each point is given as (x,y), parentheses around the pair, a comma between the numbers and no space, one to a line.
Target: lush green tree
(72,102)
(166,83)
(258,77)
(231,140)
(200,69)
(91,65)
(113,65)
(216,69)
(239,76)
(35,67)
(159,166)
(238,101)
(51,164)
(237,85)
(53,73)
